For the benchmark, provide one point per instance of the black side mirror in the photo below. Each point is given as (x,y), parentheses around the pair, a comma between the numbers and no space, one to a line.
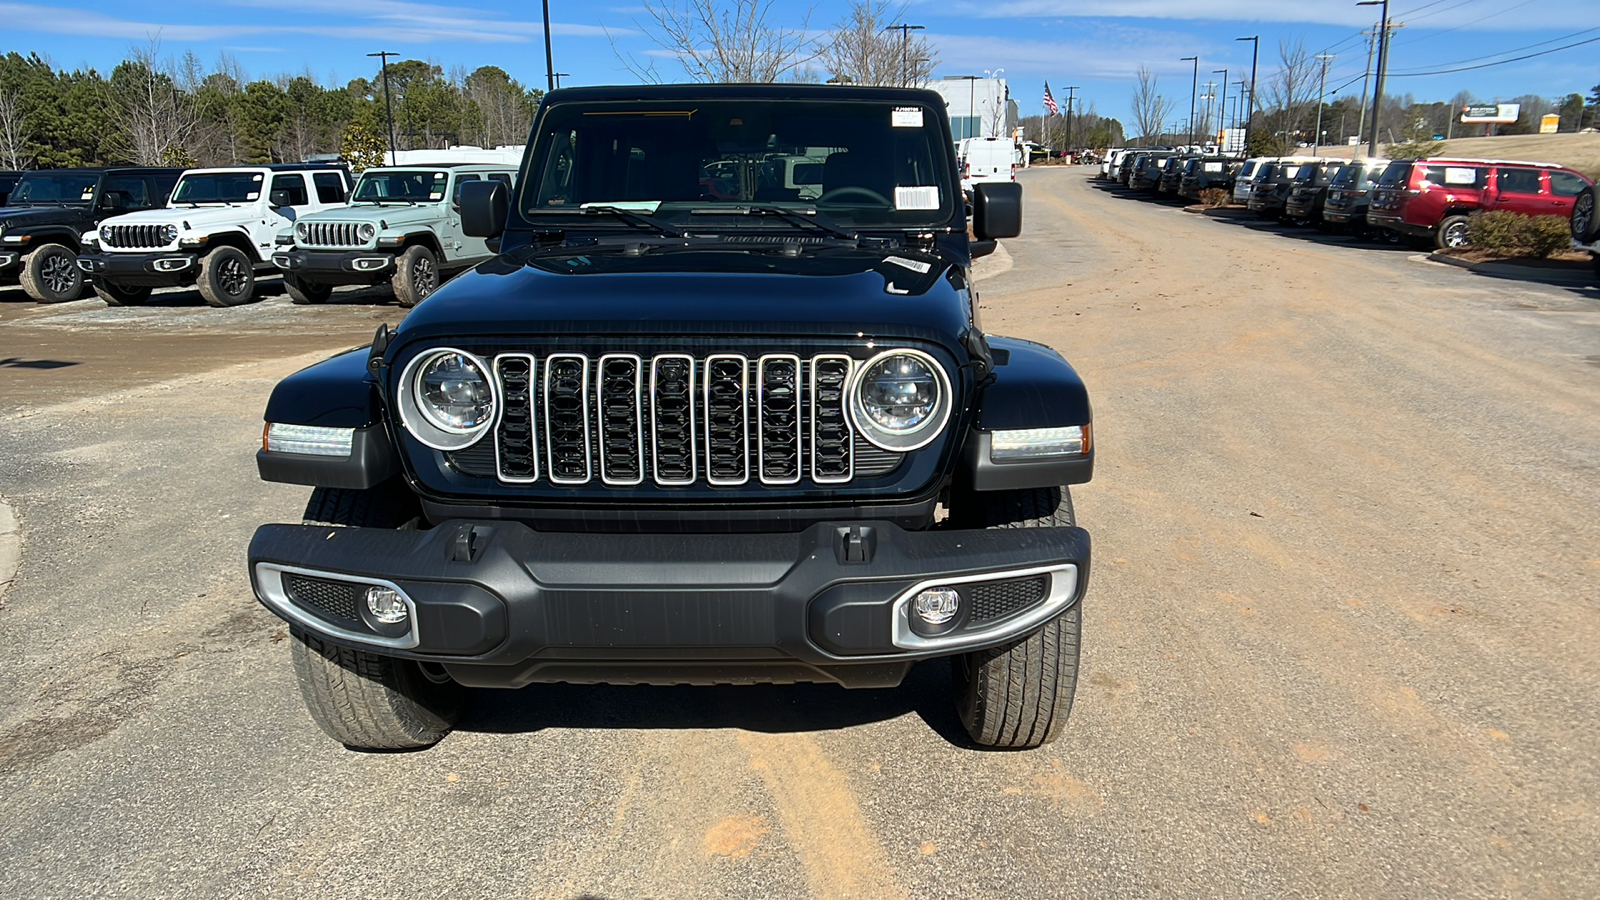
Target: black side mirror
(997,211)
(116,200)
(485,206)
(278,199)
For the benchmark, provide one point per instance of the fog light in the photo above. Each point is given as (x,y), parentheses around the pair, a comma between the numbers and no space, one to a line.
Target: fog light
(386,605)
(936,606)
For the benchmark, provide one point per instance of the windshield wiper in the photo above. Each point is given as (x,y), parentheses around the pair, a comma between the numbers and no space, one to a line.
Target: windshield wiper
(799,216)
(637,219)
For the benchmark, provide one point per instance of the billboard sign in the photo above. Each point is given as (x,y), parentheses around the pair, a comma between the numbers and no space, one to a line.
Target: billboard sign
(1490,113)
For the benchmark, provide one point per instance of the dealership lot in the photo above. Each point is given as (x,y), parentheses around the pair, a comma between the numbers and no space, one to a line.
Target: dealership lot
(1338,638)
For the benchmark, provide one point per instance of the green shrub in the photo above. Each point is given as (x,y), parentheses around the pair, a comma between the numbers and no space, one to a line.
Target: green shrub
(1510,234)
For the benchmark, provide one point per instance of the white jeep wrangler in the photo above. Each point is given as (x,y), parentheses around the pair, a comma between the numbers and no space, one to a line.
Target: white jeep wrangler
(403,226)
(216,232)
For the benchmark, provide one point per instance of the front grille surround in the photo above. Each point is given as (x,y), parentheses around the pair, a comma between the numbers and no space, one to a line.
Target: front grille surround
(334,236)
(135,237)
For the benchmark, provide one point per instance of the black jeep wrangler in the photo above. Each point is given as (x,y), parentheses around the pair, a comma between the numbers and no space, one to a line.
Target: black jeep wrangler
(42,225)
(671,435)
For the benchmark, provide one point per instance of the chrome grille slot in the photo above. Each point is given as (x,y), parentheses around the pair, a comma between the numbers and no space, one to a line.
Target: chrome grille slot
(516,444)
(620,400)
(778,419)
(334,234)
(727,416)
(672,418)
(566,417)
(831,457)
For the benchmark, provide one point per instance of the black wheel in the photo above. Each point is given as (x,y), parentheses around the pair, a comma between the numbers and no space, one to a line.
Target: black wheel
(1452,233)
(1585,223)
(226,277)
(1019,695)
(359,698)
(117,295)
(306,292)
(416,275)
(50,274)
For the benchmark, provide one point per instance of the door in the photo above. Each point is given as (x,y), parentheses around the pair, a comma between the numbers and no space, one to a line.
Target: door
(1564,187)
(1517,191)
(290,187)
(457,246)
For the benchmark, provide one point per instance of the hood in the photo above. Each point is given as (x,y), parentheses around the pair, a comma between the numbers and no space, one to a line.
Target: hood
(199,218)
(395,215)
(828,292)
(13,216)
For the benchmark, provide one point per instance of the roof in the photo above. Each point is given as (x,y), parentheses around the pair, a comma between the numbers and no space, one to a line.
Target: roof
(462,166)
(774,91)
(159,170)
(1488,162)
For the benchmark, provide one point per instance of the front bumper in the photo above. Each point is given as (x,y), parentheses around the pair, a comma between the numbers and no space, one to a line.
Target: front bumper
(500,605)
(335,266)
(160,269)
(9,258)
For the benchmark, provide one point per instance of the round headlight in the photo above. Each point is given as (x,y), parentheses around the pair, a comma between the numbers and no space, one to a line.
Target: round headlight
(447,398)
(302,230)
(367,231)
(169,233)
(901,400)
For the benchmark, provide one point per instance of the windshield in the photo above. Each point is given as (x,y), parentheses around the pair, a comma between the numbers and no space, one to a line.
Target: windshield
(412,186)
(218,187)
(55,187)
(865,163)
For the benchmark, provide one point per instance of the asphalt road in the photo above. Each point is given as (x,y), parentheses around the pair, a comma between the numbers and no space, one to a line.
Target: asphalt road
(1339,640)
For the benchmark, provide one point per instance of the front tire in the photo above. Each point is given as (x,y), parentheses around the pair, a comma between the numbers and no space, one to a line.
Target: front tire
(116,295)
(227,277)
(1019,695)
(50,274)
(362,699)
(305,292)
(416,275)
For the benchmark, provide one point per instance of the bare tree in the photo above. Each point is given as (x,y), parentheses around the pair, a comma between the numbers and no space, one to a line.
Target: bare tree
(861,51)
(158,101)
(725,40)
(1150,108)
(12,136)
(1291,90)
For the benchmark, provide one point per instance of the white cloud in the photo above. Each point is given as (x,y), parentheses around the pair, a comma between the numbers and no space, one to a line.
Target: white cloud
(1563,14)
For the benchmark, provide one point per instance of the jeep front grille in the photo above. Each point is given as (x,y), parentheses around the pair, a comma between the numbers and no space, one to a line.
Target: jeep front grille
(133,237)
(332,234)
(675,419)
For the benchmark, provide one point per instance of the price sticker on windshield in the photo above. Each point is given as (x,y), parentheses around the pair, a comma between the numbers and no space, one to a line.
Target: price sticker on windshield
(88,193)
(906,117)
(920,197)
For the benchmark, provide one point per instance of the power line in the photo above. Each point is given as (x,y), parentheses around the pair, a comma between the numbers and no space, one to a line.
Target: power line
(1499,63)
(1512,50)
(1413,18)
(1434,34)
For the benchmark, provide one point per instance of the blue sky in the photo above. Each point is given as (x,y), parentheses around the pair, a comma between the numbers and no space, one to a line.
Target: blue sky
(1095,44)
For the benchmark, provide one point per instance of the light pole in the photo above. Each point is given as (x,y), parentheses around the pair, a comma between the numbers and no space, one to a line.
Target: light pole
(1377,83)
(905,45)
(1255,54)
(1194,88)
(966,121)
(990,101)
(387,104)
(1322,93)
(549,61)
(1222,108)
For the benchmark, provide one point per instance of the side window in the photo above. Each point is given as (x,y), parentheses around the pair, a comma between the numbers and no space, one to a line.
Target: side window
(295,185)
(1519,181)
(502,177)
(455,193)
(556,181)
(330,187)
(1457,176)
(125,192)
(1566,184)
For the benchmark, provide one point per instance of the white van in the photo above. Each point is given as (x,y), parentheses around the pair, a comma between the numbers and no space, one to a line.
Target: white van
(986,160)
(1241,183)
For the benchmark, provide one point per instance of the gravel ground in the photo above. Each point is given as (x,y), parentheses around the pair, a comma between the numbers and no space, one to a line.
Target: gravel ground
(1338,641)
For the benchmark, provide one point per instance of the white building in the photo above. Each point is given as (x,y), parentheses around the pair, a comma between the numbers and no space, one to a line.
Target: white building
(978,107)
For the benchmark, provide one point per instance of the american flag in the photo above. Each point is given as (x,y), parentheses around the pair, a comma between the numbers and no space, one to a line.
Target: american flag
(1049,101)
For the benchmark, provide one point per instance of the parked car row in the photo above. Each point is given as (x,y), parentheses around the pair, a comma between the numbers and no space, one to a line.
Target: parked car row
(1421,199)
(123,232)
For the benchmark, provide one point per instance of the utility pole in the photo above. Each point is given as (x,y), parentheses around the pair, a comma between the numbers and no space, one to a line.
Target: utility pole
(387,104)
(1209,97)
(1070,89)
(905,45)
(549,60)
(1238,104)
(1366,84)
(1316,139)
(1194,88)
(561,75)
(1222,108)
(1255,56)
(1377,83)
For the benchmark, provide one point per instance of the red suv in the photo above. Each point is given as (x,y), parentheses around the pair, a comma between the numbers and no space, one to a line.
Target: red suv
(1432,197)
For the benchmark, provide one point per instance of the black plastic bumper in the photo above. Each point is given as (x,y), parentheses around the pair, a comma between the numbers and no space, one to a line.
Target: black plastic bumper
(335,266)
(501,605)
(9,258)
(164,269)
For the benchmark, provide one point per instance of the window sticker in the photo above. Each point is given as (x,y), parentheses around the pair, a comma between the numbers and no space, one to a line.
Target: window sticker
(436,195)
(906,117)
(916,197)
(88,193)
(252,195)
(1460,175)
(1213,167)
(914,265)
(256,177)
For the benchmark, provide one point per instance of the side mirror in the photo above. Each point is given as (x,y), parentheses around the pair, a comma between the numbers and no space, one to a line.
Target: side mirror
(278,199)
(485,206)
(997,211)
(116,200)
